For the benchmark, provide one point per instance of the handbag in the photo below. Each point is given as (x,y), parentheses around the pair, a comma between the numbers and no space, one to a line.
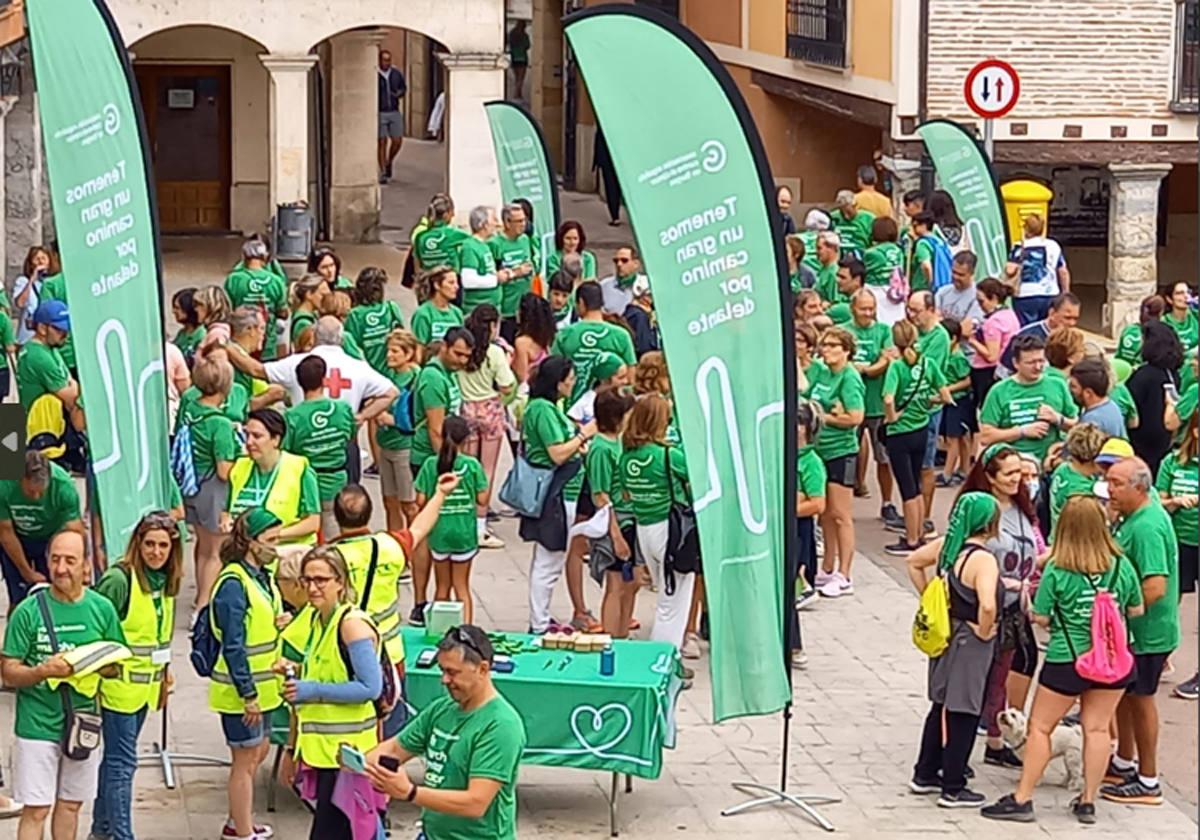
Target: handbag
(81,730)
(683,538)
(526,486)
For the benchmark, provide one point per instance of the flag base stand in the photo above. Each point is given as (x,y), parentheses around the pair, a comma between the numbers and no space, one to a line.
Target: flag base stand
(168,761)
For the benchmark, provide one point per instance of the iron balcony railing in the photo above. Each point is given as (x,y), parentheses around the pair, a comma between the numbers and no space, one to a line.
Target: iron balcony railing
(1187,56)
(816,31)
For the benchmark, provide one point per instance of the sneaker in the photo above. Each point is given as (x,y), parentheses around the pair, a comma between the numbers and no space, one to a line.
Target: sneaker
(261,832)
(10,808)
(928,531)
(492,516)
(691,646)
(799,660)
(383,179)
(417,617)
(922,787)
(900,548)
(1008,808)
(1085,812)
(371,471)
(968,772)
(1072,719)
(896,526)
(823,577)
(1113,775)
(837,586)
(1189,690)
(1003,757)
(388,170)
(965,798)
(958,479)
(806,598)
(490,540)
(862,492)
(889,514)
(1133,793)
(943,480)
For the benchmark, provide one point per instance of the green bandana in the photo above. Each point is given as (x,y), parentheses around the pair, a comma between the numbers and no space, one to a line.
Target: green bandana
(259,520)
(605,366)
(992,451)
(972,513)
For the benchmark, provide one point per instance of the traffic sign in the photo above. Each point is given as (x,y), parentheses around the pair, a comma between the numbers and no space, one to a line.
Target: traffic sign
(992,88)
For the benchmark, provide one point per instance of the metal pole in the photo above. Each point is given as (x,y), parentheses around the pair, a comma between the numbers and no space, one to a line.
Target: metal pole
(989,143)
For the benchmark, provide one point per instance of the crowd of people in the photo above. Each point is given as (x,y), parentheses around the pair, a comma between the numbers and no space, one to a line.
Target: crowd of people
(287,396)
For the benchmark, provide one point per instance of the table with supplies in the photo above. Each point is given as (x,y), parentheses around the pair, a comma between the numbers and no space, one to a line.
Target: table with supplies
(574,716)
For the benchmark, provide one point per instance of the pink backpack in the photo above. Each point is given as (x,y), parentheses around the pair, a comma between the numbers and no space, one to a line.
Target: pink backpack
(1110,659)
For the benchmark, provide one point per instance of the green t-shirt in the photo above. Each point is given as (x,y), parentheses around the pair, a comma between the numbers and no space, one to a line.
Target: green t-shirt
(301,321)
(389,437)
(510,253)
(320,430)
(1013,403)
(264,290)
(429,323)
(869,343)
(1185,408)
(1065,482)
(439,245)
(811,477)
(371,324)
(55,288)
(828,389)
(188,340)
(236,405)
(39,713)
(644,479)
(935,346)
(1148,540)
(958,368)
(455,531)
(603,466)
(1188,331)
(1067,598)
(258,486)
(7,338)
(912,388)
(477,257)
(486,743)
(436,388)
(1176,479)
(855,233)
(40,519)
(922,253)
(545,425)
(114,585)
(826,286)
(1129,345)
(40,370)
(583,342)
(586,258)
(1124,400)
(213,437)
(881,260)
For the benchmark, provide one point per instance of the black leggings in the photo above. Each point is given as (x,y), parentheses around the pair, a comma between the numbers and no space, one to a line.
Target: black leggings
(982,380)
(906,453)
(328,823)
(805,563)
(950,760)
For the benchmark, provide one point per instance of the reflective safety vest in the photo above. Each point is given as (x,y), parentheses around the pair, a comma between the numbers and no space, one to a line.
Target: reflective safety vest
(383,604)
(283,494)
(262,646)
(321,728)
(294,637)
(147,626)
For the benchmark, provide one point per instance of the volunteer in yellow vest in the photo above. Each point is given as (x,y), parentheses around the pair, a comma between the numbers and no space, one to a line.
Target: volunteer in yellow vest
(281,482)
(340,678)
(143,588)
(380,600)
(243,688)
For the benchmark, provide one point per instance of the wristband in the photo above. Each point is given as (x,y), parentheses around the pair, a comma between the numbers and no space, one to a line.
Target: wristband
(1020,433)
(412,793)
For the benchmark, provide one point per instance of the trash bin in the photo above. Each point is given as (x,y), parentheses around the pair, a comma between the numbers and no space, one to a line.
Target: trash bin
(1021,199)
(295,231)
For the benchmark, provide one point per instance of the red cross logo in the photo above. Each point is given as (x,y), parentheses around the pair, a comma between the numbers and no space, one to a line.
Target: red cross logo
(334,383)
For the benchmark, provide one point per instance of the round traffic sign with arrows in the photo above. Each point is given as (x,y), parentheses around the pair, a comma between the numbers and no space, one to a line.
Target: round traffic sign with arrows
(992,88)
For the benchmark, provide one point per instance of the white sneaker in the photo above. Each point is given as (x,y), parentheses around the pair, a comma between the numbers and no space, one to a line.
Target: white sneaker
(834,586)
(9,808)
(799,660)
(847,585)
(490,540)
(691,647)
(823,577)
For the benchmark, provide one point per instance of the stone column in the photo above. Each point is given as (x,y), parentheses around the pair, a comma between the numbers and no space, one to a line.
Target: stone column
(23,179)
(288,118)
(353,100)
(475,78)
(1132,240)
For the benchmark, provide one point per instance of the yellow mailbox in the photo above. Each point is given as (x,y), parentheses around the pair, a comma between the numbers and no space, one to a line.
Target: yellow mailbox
(1021,199)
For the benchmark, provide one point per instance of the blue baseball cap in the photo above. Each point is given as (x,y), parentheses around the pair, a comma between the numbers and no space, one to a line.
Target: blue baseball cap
(53,313)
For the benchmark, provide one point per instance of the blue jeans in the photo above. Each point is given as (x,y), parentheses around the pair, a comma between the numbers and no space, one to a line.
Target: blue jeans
(112,812)
(1031,309)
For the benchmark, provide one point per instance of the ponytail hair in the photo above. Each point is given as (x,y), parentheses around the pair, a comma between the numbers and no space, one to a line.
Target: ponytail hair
(454,432)
(441,208)
(904,336)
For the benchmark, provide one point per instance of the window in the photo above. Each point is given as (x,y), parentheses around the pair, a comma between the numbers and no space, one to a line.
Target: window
(1187,56)
(816,31)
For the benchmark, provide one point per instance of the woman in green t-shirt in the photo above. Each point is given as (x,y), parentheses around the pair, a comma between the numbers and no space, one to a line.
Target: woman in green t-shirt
(1084,560)
(570,239)
(395,446)
(810,503)
(326,263)
(652,475)
(438,314)
(308,293)
(1178,485)
(551,442)
(1129,344)
(1180,317)
(1079,472)
(191,331)
(884,257)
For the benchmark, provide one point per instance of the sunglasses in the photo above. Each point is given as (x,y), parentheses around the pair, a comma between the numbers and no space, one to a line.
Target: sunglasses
(158,520)
(463,637)
(620,260)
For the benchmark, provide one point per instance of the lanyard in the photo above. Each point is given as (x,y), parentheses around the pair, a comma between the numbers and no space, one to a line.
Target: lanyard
(255,492)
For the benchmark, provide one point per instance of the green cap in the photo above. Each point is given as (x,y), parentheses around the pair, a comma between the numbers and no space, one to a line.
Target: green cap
(605,366)
(260,519)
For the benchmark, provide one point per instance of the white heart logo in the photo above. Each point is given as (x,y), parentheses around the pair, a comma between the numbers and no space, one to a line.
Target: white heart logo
(598,724)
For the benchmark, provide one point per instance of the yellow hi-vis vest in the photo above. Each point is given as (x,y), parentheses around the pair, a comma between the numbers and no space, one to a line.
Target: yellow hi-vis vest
(283,496)
(383,605)
(322,727)
(147,625)
(262,647)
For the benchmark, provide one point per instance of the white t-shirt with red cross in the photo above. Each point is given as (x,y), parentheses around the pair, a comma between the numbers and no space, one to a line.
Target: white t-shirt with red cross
(346,378)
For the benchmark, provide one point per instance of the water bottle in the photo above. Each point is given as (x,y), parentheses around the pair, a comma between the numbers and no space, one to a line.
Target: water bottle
(608,662)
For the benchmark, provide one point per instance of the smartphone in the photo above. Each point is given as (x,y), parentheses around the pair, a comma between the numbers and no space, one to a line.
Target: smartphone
(352,759)
(427,658)
(390,762)
(1171,391)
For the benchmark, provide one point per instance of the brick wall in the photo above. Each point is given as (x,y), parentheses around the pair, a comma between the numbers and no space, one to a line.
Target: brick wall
(1076,58)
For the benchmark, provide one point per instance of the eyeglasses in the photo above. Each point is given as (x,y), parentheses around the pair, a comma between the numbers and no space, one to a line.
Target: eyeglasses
(463,637)
(319,581)
(621,260)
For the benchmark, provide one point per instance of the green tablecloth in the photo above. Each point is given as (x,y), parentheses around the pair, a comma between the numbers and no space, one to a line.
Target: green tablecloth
(574,717)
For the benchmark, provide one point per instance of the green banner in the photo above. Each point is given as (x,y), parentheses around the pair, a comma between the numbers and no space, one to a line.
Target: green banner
(525,171)
(700,199)
(967,175)
(101,193)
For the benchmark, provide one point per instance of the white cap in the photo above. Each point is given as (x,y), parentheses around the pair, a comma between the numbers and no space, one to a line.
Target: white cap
(641,286)
(817,219)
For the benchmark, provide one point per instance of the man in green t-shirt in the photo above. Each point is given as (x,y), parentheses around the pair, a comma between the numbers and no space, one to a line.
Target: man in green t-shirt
(829,254)
(852,225)
(1148,541)
(515,255)
(254,284)
(871,338)
(472,742)
(477,272)
(40,367)
(584,341)
(248,331)
(34,508)
(1028,409)
(44,778)
(320,428)
(934,344)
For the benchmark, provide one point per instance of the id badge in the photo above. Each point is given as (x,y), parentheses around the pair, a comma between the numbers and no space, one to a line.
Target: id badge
(161,657)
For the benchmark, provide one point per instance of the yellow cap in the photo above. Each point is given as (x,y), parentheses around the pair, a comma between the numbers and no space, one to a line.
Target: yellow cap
(1115,449)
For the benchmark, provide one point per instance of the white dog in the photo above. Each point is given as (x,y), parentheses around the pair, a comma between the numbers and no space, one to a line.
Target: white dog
(1065,741)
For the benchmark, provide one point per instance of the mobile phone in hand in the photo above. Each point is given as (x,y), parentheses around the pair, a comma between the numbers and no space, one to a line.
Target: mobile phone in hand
(390,762)
(353,759)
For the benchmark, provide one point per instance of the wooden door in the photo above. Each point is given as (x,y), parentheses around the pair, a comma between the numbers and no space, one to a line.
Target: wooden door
(187,119)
